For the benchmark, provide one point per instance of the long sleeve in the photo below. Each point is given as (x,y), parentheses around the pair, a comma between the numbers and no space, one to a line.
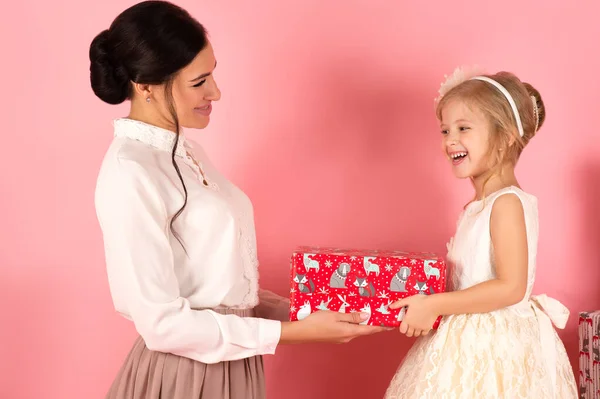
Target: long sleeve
(140,264)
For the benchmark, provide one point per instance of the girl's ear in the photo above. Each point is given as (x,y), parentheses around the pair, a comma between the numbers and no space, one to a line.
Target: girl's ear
(512,140)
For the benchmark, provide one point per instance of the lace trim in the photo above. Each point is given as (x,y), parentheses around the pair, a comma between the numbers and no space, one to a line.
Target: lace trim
(247,242)
(250,270)
(155,136)
(163,140)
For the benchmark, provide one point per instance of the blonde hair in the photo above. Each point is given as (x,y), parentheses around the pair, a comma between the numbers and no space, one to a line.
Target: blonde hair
(505,145)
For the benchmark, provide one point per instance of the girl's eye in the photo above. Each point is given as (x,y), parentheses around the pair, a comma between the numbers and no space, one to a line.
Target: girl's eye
(464,128)
(200,83)
(444,131)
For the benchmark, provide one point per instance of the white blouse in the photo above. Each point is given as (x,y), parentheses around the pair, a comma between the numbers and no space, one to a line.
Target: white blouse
(165,291)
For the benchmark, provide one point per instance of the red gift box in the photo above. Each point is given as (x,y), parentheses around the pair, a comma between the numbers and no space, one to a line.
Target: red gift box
(589,354)
(368,281)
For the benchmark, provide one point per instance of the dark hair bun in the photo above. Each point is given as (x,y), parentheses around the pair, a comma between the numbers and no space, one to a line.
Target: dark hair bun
(108,77)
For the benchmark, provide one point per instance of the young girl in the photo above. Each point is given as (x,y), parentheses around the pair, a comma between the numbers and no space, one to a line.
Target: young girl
(496,339)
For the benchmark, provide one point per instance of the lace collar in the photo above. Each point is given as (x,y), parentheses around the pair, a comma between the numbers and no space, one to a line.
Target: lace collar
(155,136)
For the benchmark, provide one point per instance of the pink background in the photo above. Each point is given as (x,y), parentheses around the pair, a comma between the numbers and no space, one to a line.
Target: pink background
(327,123)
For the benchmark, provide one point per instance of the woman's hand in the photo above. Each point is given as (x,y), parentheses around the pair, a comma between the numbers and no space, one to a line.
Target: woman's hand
(327,326)
(419,317)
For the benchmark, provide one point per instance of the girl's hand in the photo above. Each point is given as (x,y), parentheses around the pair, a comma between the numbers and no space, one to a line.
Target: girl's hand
(327,326)
(419,317)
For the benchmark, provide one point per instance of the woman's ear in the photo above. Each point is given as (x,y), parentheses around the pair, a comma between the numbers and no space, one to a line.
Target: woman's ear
(143,90)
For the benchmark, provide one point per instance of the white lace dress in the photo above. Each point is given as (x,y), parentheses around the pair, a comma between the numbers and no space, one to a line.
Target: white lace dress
(509,353)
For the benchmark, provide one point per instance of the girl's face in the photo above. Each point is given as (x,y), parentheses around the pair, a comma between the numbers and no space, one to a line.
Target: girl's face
(194,89)
(466,134)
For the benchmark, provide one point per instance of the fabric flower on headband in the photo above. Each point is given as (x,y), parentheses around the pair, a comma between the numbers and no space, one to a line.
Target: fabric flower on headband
(460,75)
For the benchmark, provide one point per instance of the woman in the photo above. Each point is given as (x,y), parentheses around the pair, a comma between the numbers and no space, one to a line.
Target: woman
(179,237)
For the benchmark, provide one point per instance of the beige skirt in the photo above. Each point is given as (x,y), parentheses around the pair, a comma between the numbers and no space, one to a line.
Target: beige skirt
(148,374)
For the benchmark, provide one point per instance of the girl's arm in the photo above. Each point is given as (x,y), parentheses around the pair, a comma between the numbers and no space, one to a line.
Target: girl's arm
(509,242)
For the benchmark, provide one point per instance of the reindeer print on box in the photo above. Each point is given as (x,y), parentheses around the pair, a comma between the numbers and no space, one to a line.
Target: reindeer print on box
(310,263)
(430,270)
(370,266)
(347,281)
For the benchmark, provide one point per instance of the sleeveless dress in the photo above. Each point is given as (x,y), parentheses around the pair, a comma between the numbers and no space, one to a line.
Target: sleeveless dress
(509,353)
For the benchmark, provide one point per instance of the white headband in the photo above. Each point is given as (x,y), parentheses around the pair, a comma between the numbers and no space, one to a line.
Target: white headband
(509,98)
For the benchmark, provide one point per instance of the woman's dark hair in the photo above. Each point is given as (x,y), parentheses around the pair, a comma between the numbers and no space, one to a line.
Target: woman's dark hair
(148,44)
